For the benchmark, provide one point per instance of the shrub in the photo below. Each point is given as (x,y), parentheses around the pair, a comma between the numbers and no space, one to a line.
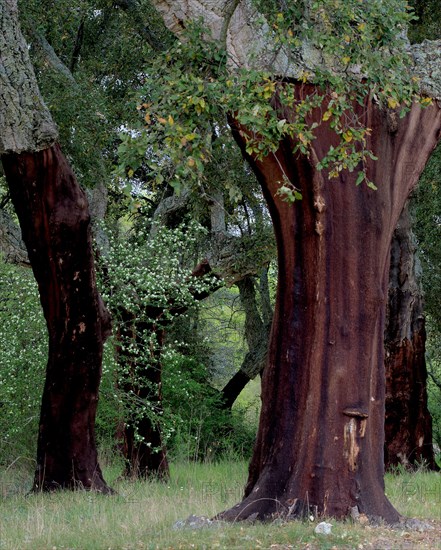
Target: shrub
(195,424)
(23,351)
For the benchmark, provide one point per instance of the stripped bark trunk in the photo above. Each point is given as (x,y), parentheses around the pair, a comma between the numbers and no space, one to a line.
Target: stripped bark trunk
(55,224)
(319,447)
(408,427)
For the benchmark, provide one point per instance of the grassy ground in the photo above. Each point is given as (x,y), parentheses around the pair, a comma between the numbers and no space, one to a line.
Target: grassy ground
(142,515)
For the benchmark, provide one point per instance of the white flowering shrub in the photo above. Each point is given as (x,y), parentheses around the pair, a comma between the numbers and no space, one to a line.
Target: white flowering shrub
(146,282)
(23,353)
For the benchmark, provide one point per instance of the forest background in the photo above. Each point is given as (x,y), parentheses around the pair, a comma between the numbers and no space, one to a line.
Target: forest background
(91,58)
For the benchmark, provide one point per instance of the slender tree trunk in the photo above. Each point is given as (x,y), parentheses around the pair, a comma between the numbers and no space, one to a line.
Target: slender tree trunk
(320,442)
(256,334)
(408,421)
(55,225)
(143,449)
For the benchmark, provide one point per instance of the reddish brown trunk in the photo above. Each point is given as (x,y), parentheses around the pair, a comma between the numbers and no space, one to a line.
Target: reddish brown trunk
(321,434)
(408,426)
(55,224)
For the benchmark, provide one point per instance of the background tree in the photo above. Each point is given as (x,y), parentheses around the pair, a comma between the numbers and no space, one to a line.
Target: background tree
(146,290)
(408,425)
(427,211)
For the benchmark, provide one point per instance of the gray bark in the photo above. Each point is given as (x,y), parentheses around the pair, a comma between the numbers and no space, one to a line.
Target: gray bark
(25,121)
(249,43)
(52,58)
(230,256)
(256,333)
(11,244)
(217,214)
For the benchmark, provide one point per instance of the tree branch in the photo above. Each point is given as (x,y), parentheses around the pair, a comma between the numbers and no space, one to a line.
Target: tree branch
(51,57)
(77,47)
(249,42)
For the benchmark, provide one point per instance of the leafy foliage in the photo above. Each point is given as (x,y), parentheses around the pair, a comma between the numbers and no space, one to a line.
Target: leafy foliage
(427,24)
(146,283)
(23,349)
(197,425)
(97,48)
(362,53)
(153,270)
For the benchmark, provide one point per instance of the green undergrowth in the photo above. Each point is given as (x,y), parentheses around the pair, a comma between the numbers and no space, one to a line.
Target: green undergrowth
(142,514)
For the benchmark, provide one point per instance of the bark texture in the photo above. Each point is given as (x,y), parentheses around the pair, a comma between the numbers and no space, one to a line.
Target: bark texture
(25,122)
(55,225)
(408,427)
(11,243)
(319,447)
(321,433)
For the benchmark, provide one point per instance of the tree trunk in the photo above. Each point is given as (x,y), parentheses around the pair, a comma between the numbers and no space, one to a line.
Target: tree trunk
(54,220)
(320,442)
(55,225)
(408,426)
(143,449)
(256,334)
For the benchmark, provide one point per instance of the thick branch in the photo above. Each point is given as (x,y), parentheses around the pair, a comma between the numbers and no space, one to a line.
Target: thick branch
(427,57)
(51,57)
(77,47)
(256,334)
(250,42)
(230,256)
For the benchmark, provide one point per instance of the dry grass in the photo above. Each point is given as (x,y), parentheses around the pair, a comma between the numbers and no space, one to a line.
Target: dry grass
(143,513)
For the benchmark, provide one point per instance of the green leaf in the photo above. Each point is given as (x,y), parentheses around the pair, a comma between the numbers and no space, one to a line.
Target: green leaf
(361,176)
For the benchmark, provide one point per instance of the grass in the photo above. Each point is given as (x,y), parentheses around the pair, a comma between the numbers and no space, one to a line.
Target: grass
(142,515)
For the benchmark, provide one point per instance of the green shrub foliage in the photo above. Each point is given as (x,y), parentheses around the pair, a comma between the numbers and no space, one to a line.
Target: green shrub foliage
(23,352)
(147,284)
(196,424)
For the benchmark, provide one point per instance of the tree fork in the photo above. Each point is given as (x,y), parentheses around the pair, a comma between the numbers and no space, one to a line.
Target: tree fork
(55,223)
(320,441)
